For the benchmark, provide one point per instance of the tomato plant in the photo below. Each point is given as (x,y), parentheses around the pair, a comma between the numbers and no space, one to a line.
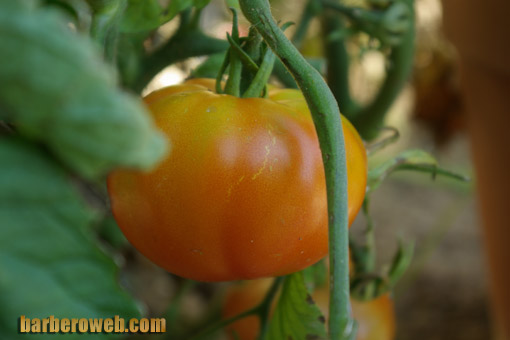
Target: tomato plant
(376,318)
(242,194)
(256,180)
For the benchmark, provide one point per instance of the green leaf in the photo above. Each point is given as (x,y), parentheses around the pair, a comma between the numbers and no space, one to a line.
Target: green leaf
(415,160)
(141,15)
(55,88)
(49,262)
(77,10)
(401,261)
(296,316)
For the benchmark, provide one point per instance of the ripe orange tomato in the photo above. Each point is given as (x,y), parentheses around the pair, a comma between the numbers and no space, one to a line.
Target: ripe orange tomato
(242,194)
(376,318)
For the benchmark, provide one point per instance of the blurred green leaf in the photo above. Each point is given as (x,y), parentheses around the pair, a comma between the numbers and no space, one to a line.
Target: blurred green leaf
(200,3)
(55,88)
(49,262)
(100,4)
(233,4)
(177,6)
(147,15)
(296,315)
(415,160)
(78,10)
(401,261)
(141,15)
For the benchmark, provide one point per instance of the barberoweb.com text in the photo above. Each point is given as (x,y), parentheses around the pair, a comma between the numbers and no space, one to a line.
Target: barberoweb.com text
(97,325)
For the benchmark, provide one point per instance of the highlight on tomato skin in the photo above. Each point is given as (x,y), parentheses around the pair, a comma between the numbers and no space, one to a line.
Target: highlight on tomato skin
(375,318)
(242,194)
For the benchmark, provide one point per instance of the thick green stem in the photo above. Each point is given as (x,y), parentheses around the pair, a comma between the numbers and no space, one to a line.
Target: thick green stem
(182,45)
(326,117)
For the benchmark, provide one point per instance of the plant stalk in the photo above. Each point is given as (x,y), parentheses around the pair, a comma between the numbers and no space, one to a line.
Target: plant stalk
(326,117)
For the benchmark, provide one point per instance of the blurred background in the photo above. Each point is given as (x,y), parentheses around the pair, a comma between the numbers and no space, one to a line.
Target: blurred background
(444,295)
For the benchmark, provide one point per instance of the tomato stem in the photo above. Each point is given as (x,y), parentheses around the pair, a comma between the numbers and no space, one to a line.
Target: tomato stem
(326,117)
(187,42)
(264,309)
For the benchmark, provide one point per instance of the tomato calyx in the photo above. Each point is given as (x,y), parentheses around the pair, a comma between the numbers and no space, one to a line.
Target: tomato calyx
(250,62)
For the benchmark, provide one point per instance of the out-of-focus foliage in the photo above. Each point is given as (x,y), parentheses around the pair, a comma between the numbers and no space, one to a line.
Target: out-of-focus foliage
(56,89)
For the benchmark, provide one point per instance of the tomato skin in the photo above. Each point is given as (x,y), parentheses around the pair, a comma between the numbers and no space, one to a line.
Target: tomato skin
(376,318)
(242,194)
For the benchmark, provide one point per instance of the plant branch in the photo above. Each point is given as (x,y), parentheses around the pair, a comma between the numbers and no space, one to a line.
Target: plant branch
(184,44)
(264,309)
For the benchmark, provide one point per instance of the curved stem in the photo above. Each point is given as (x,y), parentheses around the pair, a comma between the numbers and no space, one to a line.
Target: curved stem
(326,117)
(182,45)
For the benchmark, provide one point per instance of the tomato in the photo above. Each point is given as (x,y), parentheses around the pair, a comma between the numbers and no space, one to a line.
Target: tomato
(376,318)
(242,194)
